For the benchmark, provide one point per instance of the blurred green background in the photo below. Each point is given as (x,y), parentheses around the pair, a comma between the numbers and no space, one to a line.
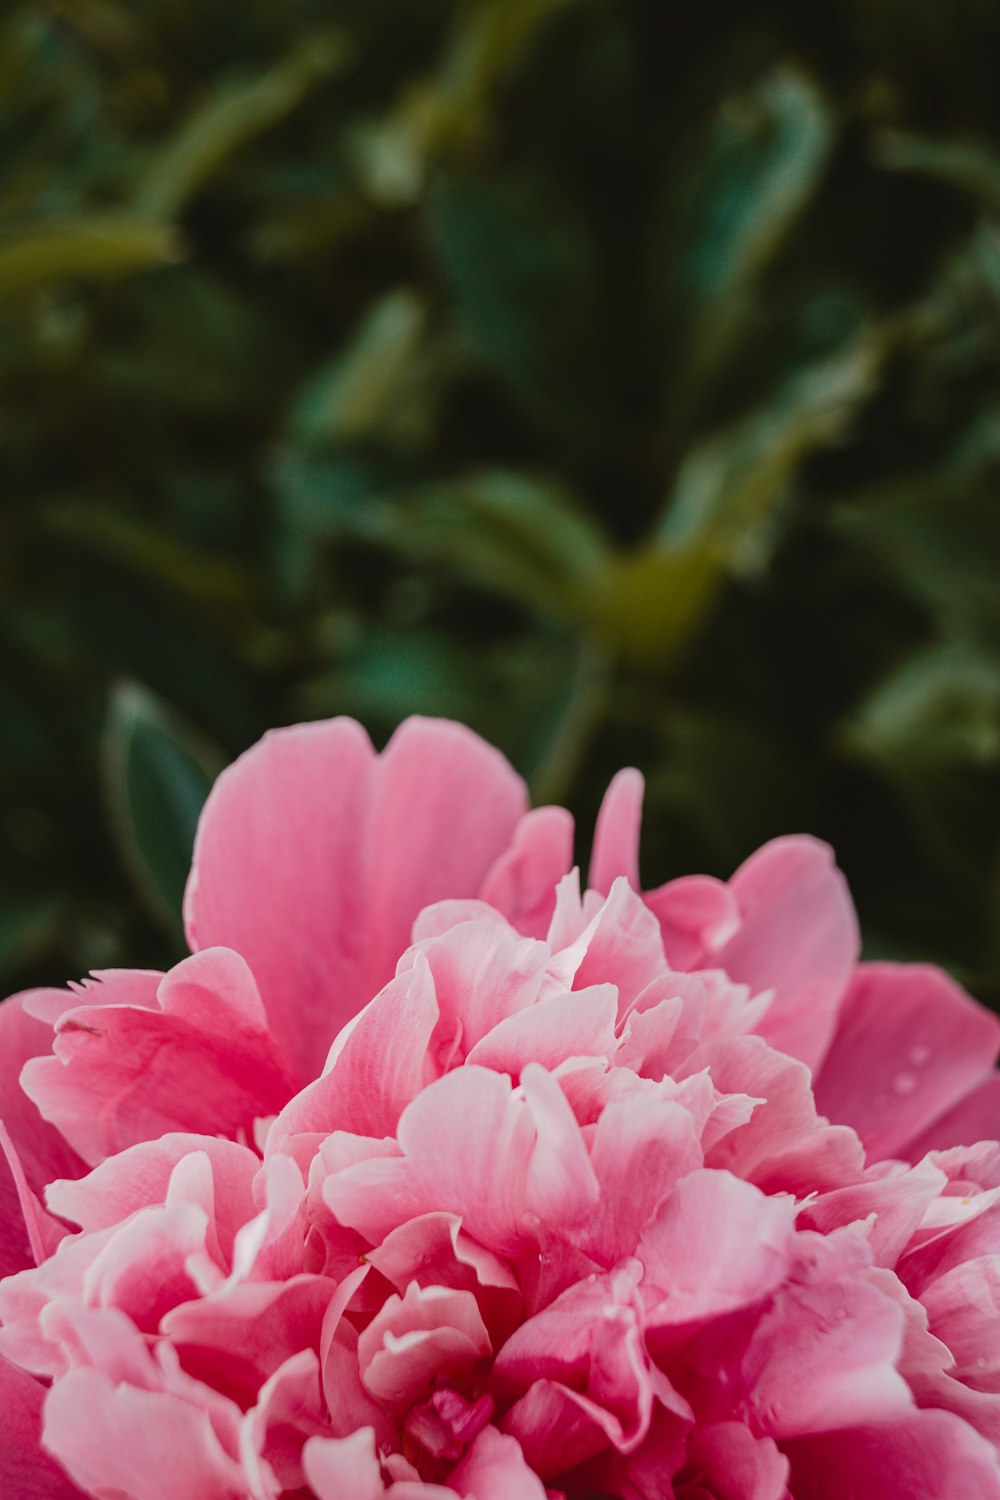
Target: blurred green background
(618,376)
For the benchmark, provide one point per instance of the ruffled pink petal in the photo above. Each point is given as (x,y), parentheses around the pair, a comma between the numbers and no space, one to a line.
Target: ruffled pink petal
(910,1044)
(717,1244)
(697,915)
(886,1210)
(784,1146)
(579,1024)
(429,1335)
(824,1354)
(483,1175)
(203,1060)
(26,1473)
(483,972)
(40,1149)
(640,1149)
(314,855)
(289,1411)
(378,1064)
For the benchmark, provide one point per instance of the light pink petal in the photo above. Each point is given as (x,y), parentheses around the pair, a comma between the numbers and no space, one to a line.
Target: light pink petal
(640,1149)
(117,1440)
(314,855)
(561,1187)
(26,1473)
(716,1245)
(578,1024)
(522,881)
(380,1063)
(895,1204)
(481,1176)
(338,1468)
(616,833)
(494,1469)
(204,1061)
(697,915)
(798,935)
(910,1044)
(621,945)
(433,1250)
(101,987)
(924,1455)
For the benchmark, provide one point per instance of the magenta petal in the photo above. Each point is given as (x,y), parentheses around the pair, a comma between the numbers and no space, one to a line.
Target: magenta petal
(42,1152)
(909,1046)
(314,855)
(26,1473)
(925,1455)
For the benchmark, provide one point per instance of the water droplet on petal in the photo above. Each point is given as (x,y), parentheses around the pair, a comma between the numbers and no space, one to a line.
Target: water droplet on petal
(903,1084)
(920,1054)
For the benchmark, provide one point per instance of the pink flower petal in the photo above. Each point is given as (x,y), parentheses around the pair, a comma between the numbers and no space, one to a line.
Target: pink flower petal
(203,1061)
(522,882)
(26,1473)
(314,855)
(925,1455)
(910,1044)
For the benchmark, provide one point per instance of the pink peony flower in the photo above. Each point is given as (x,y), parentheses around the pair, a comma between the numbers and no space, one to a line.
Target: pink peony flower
(429,1173)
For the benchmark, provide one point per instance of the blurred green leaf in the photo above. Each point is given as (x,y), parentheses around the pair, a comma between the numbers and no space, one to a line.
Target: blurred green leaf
(730,485)
(157,774)
(520,277)
(940,707)
(28,925)
(234,112)
(971,167)
(94,249)
(769,151)
(379,385)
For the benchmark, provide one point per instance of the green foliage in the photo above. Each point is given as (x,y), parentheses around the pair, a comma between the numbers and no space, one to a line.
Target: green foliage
(621,378)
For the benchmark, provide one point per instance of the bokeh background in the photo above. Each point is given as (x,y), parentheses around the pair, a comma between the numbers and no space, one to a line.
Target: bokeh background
(619,376)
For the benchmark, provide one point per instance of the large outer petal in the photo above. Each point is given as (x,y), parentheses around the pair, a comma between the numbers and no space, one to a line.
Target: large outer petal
(798,935)
(314,855)
(909,1046)
(925,1455)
